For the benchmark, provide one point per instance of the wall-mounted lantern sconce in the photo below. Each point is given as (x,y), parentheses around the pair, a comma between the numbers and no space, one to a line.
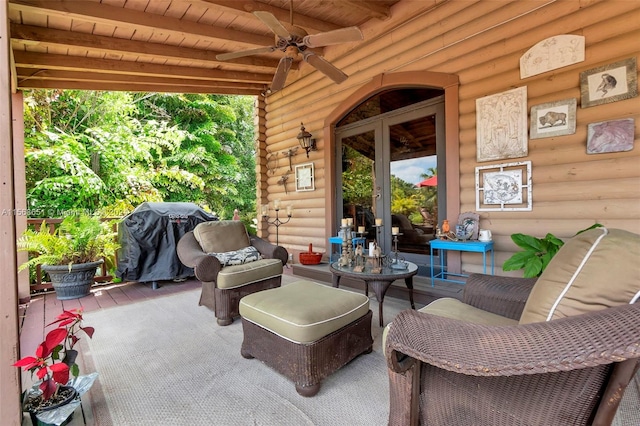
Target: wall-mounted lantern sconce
(306,142)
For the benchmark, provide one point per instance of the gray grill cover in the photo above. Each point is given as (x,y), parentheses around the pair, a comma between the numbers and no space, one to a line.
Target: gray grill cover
(149,236)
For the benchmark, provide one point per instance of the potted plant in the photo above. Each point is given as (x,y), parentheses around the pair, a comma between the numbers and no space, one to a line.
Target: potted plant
(53,362)
(71,254)
(537,252)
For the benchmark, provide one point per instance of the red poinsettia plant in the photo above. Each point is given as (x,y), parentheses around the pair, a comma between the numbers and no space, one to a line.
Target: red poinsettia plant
(53,360)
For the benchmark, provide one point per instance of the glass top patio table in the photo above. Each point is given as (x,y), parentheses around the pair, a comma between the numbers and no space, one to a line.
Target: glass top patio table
(379,282)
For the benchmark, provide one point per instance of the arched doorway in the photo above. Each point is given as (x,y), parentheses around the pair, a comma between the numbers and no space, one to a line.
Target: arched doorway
(397,122)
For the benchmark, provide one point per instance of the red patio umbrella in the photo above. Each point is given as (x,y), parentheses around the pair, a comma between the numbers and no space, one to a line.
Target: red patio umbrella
(432,181)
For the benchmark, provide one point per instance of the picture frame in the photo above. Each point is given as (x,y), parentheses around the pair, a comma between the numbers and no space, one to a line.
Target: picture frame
(610,136)
(501,125)
(470,223)
(553,119)
(609,83)
(504,187)
(305,180)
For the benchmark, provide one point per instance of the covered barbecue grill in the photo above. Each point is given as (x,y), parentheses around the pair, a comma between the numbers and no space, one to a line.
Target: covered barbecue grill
(148,237)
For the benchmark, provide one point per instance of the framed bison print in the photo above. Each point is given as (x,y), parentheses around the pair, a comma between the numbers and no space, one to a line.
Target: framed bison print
(553,119)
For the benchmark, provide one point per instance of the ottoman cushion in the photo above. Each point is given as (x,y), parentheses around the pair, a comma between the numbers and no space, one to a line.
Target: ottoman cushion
(239,275)
(304,311)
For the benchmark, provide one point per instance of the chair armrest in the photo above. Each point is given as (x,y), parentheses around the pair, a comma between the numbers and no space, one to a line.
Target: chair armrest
(190,253)
(505,296)
(581,341)
(268,250)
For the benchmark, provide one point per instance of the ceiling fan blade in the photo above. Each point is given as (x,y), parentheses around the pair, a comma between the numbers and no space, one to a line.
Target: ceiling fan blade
(272,22)
(280,77)
(325,67)
(341,35)
(248,52)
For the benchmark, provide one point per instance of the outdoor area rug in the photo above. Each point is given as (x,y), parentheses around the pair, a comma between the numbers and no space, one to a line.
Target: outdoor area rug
(165,361)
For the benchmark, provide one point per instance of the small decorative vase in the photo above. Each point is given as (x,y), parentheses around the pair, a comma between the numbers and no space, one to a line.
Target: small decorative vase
(70,357)
(445,226)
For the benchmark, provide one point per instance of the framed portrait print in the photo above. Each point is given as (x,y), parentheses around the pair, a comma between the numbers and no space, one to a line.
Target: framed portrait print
(609,83)
(553,119)
(501,125)
(504,187)
(304,177)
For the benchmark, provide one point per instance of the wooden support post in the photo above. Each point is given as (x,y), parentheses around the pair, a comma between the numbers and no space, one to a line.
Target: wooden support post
(10,410)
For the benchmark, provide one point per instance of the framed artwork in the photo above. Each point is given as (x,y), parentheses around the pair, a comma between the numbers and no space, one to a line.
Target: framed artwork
(501,125)
(552,53)
(304,177)
(610,136)
(553,119)
(468,224)
(504,187)
(609,83)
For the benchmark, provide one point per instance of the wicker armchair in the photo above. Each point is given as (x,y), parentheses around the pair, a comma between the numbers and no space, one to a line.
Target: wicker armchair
(224,285)
(483,365)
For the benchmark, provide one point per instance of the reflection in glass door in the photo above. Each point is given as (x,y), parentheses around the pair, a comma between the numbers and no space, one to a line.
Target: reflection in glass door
(389,170)
(414,188)
(358,177)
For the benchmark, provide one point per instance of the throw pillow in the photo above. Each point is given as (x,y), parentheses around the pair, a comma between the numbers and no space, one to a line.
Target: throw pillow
(221,236)
(594,270)
(238,257)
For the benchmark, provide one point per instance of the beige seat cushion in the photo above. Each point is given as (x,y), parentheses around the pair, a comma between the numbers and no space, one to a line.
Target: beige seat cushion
(595,270)
(233,276)
(448,307)
(304,311)
(220,236)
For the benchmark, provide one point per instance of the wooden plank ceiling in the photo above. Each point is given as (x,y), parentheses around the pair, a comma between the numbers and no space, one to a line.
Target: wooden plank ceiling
(163,45)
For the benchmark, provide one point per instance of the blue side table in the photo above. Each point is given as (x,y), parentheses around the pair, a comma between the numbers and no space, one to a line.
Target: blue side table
(469,246)
(338,242)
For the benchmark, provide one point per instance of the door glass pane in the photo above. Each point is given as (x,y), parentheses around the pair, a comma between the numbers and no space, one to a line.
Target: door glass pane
(358,181)
(414,190)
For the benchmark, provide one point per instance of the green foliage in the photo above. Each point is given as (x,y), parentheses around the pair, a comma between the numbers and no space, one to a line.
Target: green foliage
(357,178)
(406,198)
(110,151)
(536,254)
(78,239)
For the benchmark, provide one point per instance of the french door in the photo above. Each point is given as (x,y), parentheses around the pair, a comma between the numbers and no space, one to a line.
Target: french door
(380,162)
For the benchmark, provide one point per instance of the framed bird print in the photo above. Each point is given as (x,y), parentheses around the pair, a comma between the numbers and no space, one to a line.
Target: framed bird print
(609,83)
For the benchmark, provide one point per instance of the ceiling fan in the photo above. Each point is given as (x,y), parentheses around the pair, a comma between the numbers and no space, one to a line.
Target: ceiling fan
(296,41)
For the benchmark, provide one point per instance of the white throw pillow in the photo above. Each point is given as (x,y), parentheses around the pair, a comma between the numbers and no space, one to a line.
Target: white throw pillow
(238,257)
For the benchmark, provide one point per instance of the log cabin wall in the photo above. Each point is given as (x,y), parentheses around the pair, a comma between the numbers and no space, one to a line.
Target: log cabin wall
(481,43)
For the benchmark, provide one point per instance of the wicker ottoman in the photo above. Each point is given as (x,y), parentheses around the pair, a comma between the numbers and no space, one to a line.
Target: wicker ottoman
(305,330)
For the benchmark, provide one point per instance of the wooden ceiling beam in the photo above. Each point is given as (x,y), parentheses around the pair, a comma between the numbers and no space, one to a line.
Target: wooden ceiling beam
(75,63)
(26,74)
(371,8)
(247,7)
(132,87)
(110,45)
(131,18)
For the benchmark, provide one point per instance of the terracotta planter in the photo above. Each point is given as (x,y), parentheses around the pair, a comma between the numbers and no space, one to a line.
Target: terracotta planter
(72,284)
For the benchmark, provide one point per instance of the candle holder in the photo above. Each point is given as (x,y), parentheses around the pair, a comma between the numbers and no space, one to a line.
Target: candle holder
(378,230)
(277,221)
(397,261)
(347,253)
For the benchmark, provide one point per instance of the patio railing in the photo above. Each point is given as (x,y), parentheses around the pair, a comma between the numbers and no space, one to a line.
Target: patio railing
(102,274)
